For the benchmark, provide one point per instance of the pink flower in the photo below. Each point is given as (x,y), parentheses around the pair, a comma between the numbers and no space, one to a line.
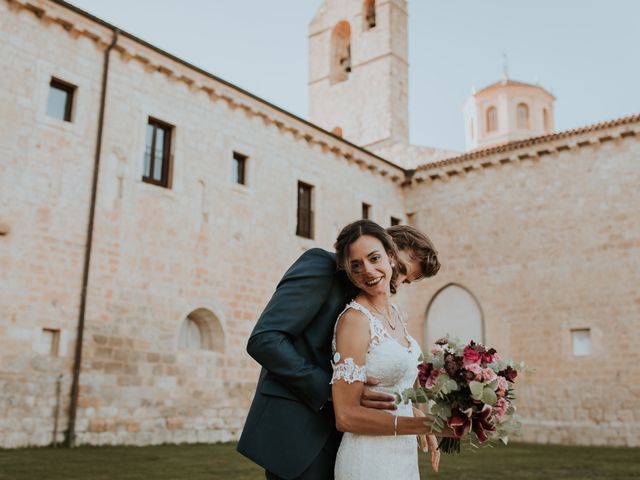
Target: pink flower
(488,375)
(502,384)
(500,408)
(475,369)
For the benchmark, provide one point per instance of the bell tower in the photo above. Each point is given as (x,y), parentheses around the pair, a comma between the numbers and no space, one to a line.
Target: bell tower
(358,71)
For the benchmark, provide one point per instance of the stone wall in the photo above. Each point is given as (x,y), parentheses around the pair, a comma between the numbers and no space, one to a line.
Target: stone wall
(546,237)
(544,234)
(158,254)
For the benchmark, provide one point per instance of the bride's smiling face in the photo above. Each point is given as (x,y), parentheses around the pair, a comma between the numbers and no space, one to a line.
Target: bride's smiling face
(370,266)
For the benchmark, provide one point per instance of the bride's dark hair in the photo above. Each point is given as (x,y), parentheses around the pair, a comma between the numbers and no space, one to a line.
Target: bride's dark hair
(352,232)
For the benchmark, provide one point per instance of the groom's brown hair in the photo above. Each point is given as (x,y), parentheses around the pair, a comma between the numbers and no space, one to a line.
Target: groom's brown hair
(418,245)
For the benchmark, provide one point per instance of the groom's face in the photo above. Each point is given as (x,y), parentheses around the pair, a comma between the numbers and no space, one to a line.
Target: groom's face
(414,269)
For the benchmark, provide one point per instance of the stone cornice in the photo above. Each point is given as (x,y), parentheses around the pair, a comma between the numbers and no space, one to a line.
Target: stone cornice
(79,23)
(529,149)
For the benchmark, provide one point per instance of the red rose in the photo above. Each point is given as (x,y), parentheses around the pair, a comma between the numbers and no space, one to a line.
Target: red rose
(487,357)
(470,355)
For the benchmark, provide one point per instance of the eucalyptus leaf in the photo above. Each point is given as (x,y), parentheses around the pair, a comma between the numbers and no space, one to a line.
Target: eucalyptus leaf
(477,389)
(489,396)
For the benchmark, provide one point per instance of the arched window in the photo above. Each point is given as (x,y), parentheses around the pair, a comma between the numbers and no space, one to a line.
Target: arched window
(456,312)
(340,52)
(369,14)
(201,330)
(492,119)
(522,116)
(545,120)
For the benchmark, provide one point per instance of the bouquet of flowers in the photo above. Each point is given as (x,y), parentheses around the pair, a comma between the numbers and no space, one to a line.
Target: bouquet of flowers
(471,391)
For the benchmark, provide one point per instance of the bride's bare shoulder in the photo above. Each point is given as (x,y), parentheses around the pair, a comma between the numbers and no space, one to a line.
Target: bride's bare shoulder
(352,321)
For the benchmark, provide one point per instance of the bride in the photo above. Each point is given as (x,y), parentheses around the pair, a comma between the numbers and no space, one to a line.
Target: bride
(371,339)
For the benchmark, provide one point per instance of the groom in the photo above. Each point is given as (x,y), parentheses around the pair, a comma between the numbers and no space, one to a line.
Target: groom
(290,429)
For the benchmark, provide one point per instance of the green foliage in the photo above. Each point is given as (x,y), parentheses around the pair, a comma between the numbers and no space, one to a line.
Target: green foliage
(483,393)
(489,396)
(444,385)
(477,388)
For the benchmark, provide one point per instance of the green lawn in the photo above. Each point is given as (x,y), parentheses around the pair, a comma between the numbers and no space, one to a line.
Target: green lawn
(208,462)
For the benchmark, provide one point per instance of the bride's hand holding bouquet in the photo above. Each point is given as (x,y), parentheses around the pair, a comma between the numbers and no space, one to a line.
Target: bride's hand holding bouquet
(471,391)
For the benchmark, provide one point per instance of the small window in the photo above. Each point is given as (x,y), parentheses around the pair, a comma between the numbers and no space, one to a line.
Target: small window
(60,101)
(492,119)
(304,227)
(51,341)
(239,169)
(581,339)
(201,330)
(366,211)
(157,153)
(369,14)
(522,116)
(191,335)
(395,221)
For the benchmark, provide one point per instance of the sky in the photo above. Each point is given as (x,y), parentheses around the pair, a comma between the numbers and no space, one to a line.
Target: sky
(584,51)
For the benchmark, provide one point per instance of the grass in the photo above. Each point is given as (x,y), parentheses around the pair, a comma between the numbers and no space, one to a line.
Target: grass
(221,461)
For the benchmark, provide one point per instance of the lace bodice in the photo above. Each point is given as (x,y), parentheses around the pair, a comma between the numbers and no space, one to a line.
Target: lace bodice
(393,364)
(379,457)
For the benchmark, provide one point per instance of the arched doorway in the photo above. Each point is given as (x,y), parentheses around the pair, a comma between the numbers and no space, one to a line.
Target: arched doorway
(455,311)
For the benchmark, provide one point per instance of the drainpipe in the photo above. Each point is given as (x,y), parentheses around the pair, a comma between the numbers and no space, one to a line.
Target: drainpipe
(70,439)
(56,412)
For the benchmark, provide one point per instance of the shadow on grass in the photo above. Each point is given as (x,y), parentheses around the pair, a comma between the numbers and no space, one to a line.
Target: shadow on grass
(221,461)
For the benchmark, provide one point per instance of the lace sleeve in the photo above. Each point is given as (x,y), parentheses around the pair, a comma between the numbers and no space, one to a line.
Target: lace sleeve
(347,370)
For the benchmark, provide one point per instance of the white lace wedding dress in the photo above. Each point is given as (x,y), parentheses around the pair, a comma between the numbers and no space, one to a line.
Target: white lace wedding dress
(371,457)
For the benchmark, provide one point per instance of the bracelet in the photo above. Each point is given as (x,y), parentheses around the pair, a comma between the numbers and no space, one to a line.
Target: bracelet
(395,425)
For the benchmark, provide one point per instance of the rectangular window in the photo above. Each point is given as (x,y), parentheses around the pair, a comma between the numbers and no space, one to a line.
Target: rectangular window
(581,339)
(304,228)
(395,221)
(51,341)
(239,169)
(157,153)
(60,100)
(366,211)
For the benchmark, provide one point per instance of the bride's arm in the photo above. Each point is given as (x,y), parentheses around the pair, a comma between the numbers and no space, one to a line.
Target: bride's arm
(352,341)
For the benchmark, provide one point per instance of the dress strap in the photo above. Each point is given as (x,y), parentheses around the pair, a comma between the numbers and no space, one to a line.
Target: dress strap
(376,329)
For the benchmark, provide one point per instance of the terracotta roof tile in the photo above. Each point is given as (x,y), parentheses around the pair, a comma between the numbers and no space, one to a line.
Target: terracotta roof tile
(531,141)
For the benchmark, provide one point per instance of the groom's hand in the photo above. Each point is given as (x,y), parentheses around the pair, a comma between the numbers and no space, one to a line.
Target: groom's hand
(379,400)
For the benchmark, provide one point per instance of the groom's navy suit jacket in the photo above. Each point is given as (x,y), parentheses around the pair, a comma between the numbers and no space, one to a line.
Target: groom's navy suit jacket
(290,420)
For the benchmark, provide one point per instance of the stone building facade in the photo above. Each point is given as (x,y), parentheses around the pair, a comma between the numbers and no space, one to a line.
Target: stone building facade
(539,237)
